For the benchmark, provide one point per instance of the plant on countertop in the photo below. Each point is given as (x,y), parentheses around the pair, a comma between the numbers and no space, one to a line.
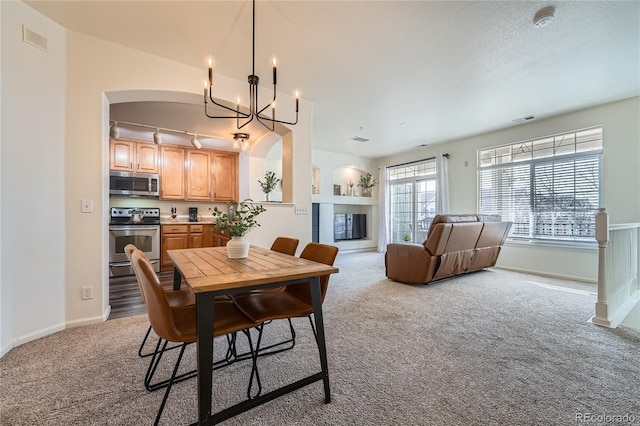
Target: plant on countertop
(270,183)
(241,220)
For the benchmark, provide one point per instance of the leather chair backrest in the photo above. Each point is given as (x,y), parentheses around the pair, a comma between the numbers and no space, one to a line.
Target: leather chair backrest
(158,309)
(285,245)
(321,253)
(451,218)
(128,250)
(493,234)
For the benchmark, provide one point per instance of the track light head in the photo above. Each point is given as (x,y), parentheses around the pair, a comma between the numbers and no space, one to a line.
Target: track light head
(114,131)
(157,137)
(195,142)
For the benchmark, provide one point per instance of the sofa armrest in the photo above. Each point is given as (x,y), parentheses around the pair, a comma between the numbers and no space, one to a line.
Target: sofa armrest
(409,263)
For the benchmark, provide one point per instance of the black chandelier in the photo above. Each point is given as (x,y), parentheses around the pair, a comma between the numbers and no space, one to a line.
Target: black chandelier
(254,112)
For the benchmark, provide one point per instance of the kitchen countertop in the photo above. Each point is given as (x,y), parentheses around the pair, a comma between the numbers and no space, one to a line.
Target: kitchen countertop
(184,220)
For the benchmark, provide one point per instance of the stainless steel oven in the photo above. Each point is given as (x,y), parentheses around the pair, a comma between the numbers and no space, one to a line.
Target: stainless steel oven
(144,233)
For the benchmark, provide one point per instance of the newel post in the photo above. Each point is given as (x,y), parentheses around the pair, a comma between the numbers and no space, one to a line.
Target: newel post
(602,236)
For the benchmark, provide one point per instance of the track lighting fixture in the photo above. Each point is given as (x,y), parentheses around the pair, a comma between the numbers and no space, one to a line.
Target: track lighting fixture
(254,110)
(114,131)
(195,142)
(157,137)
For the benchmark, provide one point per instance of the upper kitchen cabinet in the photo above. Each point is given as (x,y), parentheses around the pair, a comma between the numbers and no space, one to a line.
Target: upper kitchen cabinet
(225,176)
(172,173)
(131,156)
(211,175)
(199,176)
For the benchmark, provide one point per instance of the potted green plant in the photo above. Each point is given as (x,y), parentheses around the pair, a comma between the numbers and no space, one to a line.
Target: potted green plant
(367,182)
(240,219)
(270,183)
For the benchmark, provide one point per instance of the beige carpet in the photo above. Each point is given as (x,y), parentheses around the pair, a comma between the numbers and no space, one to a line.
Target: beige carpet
(491,348)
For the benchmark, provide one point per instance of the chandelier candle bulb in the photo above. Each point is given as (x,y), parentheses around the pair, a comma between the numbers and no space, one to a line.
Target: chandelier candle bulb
(274,72)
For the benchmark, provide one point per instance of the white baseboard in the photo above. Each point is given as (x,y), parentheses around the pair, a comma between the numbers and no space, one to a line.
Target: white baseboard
(547,274)
(30,337)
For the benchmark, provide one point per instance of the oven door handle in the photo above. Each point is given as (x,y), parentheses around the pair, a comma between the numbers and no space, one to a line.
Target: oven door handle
(134,227)
(119,264)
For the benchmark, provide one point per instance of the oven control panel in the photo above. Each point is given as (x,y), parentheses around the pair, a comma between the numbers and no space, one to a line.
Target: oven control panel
(129,211)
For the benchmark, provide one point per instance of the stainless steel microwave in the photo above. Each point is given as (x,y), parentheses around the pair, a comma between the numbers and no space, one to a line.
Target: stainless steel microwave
(137,184)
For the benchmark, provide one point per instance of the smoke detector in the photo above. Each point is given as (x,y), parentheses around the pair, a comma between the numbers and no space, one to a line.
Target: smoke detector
(544,17)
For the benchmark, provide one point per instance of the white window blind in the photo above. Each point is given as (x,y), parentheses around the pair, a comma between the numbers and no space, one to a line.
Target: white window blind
(550,188)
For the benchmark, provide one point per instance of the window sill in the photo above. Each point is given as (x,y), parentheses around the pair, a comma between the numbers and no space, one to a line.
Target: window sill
(555,244)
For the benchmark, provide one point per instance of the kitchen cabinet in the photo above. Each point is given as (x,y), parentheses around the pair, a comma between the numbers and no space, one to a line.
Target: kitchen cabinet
(198,174)
(131,156)
(211,175)
(173,237)
(176,236)
(195,236)
(225,176)
(172,173)
(217,238)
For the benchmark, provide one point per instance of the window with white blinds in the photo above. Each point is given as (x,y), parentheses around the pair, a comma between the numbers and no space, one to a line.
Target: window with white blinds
(550,188)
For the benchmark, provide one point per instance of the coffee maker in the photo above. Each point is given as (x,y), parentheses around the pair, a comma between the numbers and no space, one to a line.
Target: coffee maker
(193,214)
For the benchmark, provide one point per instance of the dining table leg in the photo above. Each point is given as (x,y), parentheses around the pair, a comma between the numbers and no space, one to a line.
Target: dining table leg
(177,279)
(205,307)
(316,300)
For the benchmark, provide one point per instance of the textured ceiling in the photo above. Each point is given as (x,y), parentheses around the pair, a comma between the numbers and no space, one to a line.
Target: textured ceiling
(447,69)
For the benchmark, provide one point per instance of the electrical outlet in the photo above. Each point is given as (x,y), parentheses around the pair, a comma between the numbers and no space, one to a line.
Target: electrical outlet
(87,292)
(87,206)
(302,210)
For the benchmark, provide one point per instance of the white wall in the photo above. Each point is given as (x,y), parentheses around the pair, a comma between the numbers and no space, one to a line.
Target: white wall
(32,178)
(60,107)
(621,180)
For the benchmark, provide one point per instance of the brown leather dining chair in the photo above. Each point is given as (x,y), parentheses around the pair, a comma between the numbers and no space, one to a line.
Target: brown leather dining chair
(178,324)
(176,298)
(285,245)
(293,301)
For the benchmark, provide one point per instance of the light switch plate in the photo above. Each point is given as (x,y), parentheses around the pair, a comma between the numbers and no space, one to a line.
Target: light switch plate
(87,206)
(302,210)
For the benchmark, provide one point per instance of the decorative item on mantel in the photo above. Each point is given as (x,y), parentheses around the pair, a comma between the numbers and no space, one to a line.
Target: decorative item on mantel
(236,224)
(367,182)
(350,190)
(269,184)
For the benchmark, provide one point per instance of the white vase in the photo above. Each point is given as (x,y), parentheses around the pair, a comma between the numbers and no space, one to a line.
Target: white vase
(238,248)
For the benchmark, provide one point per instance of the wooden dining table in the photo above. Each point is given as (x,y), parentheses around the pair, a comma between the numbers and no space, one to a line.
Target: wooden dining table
(209,272)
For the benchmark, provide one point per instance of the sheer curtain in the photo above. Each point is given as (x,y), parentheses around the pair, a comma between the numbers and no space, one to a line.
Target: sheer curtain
(383,228)
(442,192)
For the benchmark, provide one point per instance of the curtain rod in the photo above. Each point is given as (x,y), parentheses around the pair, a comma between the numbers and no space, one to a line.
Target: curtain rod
(417,161)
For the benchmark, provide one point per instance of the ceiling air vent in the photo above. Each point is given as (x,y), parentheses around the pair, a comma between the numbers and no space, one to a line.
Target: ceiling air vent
(34,39)
(523,119)
(360,139)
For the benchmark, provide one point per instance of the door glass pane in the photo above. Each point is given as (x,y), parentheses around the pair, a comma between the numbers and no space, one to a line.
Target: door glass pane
(401,203)
(425,208)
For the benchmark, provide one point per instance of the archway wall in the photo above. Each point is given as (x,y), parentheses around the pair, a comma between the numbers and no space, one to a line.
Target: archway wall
(100,72)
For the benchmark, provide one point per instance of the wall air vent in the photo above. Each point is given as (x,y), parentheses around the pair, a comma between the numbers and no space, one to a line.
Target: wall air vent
(34,39)
(360,139)
(523,119)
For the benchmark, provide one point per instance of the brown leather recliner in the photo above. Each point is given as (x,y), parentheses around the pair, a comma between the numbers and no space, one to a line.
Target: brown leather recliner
(456,244)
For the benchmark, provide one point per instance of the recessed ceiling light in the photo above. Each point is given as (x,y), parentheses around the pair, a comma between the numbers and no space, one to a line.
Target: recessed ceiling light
(544,17)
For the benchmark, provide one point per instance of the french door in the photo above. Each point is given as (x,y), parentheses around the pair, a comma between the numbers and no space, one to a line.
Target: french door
(412,205)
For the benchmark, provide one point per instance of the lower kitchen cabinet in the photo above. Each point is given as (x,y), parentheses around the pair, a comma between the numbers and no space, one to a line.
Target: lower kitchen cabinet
(182,235)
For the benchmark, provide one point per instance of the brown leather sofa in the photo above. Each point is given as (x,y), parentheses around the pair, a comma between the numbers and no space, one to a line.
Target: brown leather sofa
(455,244)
